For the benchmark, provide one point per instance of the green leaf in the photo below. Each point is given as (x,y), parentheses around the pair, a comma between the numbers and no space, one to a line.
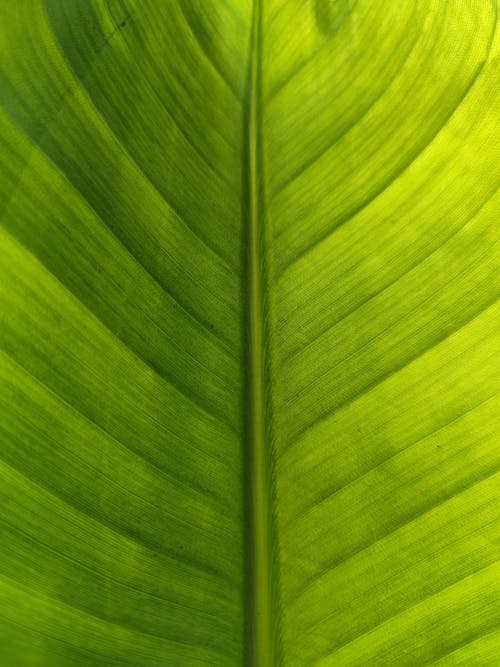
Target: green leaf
(250,332)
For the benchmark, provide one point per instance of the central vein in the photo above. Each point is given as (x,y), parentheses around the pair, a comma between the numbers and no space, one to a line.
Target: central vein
(259,570)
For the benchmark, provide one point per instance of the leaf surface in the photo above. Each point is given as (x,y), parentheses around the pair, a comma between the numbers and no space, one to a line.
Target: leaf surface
(249,334)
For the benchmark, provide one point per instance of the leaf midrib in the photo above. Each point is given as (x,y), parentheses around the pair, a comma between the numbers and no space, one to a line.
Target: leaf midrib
(258,570)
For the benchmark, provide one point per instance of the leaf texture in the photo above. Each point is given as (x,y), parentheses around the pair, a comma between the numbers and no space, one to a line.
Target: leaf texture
(249,333)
